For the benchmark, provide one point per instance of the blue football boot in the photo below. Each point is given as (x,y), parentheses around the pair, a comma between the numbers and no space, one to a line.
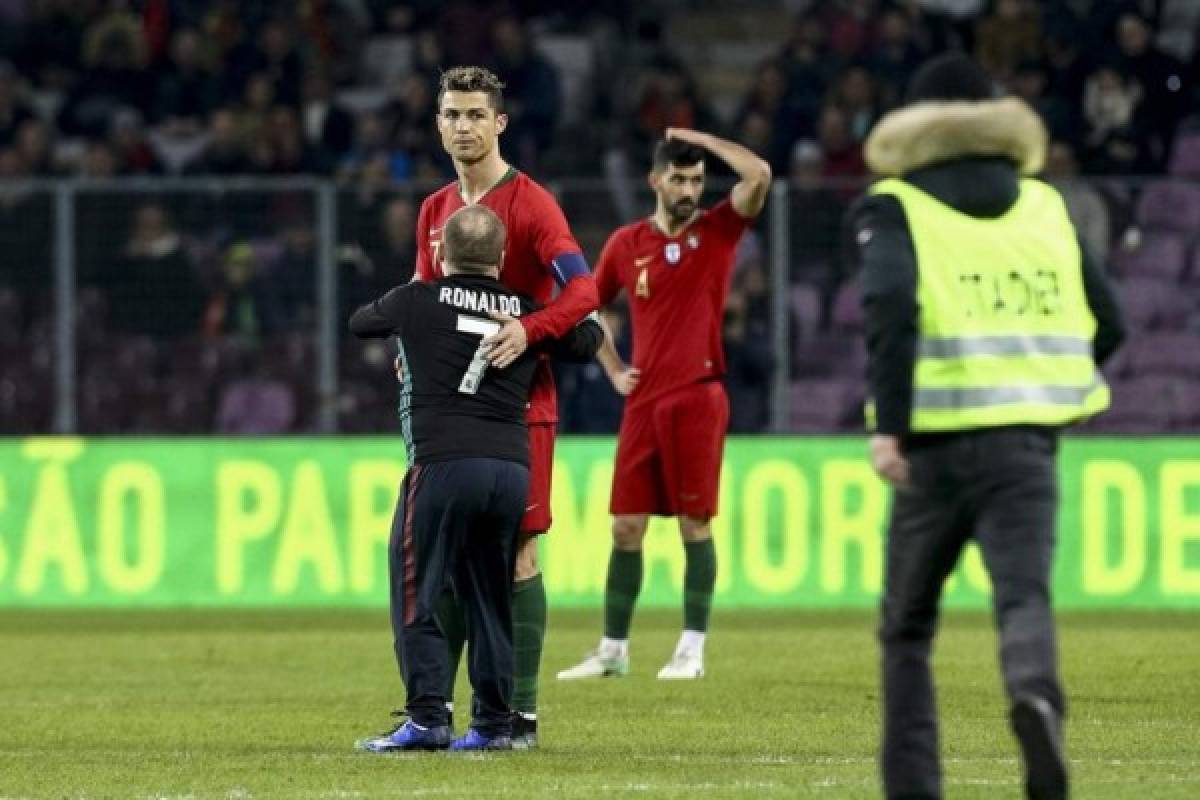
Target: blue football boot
(474,740)
(408,736)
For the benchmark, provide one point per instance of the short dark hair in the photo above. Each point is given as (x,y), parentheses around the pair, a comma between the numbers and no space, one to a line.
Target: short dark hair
(472,79)
(474,239)
(675,152)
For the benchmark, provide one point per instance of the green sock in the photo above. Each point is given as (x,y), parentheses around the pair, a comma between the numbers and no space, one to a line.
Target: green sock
(699,577)
(621,591)
(529,634)
(454,625)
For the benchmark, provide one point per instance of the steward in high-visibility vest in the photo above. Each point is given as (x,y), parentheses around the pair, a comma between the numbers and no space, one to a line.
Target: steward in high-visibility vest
(985,319)
(1004,331)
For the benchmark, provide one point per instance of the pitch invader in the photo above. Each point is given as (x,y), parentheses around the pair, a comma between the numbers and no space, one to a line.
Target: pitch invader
(540,252)
(676,267)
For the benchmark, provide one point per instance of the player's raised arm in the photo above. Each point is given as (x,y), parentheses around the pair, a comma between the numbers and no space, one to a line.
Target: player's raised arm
(754,174)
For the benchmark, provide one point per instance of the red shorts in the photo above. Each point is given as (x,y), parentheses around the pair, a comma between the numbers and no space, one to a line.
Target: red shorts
(541,467)
(669,454)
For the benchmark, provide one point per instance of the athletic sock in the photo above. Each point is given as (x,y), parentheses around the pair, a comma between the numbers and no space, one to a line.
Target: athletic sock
(614,647)
(691,642)
(621,591)
(529,634)
(454,626)
(699,577)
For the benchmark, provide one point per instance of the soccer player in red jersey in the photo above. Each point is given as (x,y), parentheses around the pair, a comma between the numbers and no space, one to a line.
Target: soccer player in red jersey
(676,267)
(540,253)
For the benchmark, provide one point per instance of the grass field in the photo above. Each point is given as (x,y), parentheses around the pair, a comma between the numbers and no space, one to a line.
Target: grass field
(267,704)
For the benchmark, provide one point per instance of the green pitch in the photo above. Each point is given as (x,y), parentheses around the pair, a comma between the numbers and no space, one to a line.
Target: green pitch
(239,705)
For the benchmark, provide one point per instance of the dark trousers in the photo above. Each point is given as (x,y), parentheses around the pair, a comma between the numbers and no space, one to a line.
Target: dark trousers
(998,486)
(456,526)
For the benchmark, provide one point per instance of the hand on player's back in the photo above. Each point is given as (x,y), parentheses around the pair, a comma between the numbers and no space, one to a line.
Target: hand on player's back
(508,343)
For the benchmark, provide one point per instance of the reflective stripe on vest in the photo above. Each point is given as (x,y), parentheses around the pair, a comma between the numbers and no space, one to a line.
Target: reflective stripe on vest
(1004,330)
(962,346)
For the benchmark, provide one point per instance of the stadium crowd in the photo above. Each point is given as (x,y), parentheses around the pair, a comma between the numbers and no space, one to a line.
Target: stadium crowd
(199,307)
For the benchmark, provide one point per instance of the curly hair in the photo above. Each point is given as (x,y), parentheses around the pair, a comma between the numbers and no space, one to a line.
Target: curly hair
(472,79)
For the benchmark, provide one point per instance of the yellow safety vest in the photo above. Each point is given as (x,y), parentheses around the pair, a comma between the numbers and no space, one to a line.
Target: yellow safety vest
(1004,329)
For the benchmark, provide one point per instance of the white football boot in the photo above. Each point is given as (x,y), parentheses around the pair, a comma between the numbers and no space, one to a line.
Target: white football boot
(687,664)
(607,660)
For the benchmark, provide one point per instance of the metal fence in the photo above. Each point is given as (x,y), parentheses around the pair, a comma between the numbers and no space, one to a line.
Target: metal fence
(180,306)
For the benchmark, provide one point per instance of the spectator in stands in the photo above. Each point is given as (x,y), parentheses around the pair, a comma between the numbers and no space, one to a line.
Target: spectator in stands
(255,403)
(1086,206)
(857,96)
(153,290)
(52,44)
(225,153)
(748,365)
(394,254)
(99,161)
(1066,68)
(258,99)
(187,89)
(532,94)
(767,107)
(287,286)
(289,152)
(13,108)
(815,215)
(115,57)
(25,231)
(1012,33)
(407,116)
(895,56)
(135,155)
(755,132)
(1160,76)
(810,67)
(429,57)
(842,154)
(1114,141)
(34,146)
(239,307)
(667,97)
(852,26)
(1029,83)
(383,255)
(374,145)
(275,56)
(328,127)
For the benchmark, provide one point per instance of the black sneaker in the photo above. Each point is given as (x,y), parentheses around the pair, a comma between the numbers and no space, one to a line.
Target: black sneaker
(1039,732)
(524,732)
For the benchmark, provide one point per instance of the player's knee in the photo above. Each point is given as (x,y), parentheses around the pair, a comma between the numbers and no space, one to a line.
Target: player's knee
(527,563)
(629,531)
(695,529)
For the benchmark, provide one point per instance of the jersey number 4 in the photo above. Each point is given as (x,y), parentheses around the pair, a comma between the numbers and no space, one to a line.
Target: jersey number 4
(474,374)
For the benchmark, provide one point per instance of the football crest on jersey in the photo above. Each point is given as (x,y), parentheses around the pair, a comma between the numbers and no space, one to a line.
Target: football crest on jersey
(693,241)
(671,251)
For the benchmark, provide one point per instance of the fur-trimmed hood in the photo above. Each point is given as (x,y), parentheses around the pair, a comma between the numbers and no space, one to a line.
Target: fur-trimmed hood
(929,133)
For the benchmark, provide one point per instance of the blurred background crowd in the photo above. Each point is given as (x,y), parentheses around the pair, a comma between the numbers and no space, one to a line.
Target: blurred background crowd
(196,291)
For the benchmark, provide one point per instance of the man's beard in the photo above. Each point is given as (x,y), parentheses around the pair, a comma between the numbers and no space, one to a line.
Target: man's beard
(682,211)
